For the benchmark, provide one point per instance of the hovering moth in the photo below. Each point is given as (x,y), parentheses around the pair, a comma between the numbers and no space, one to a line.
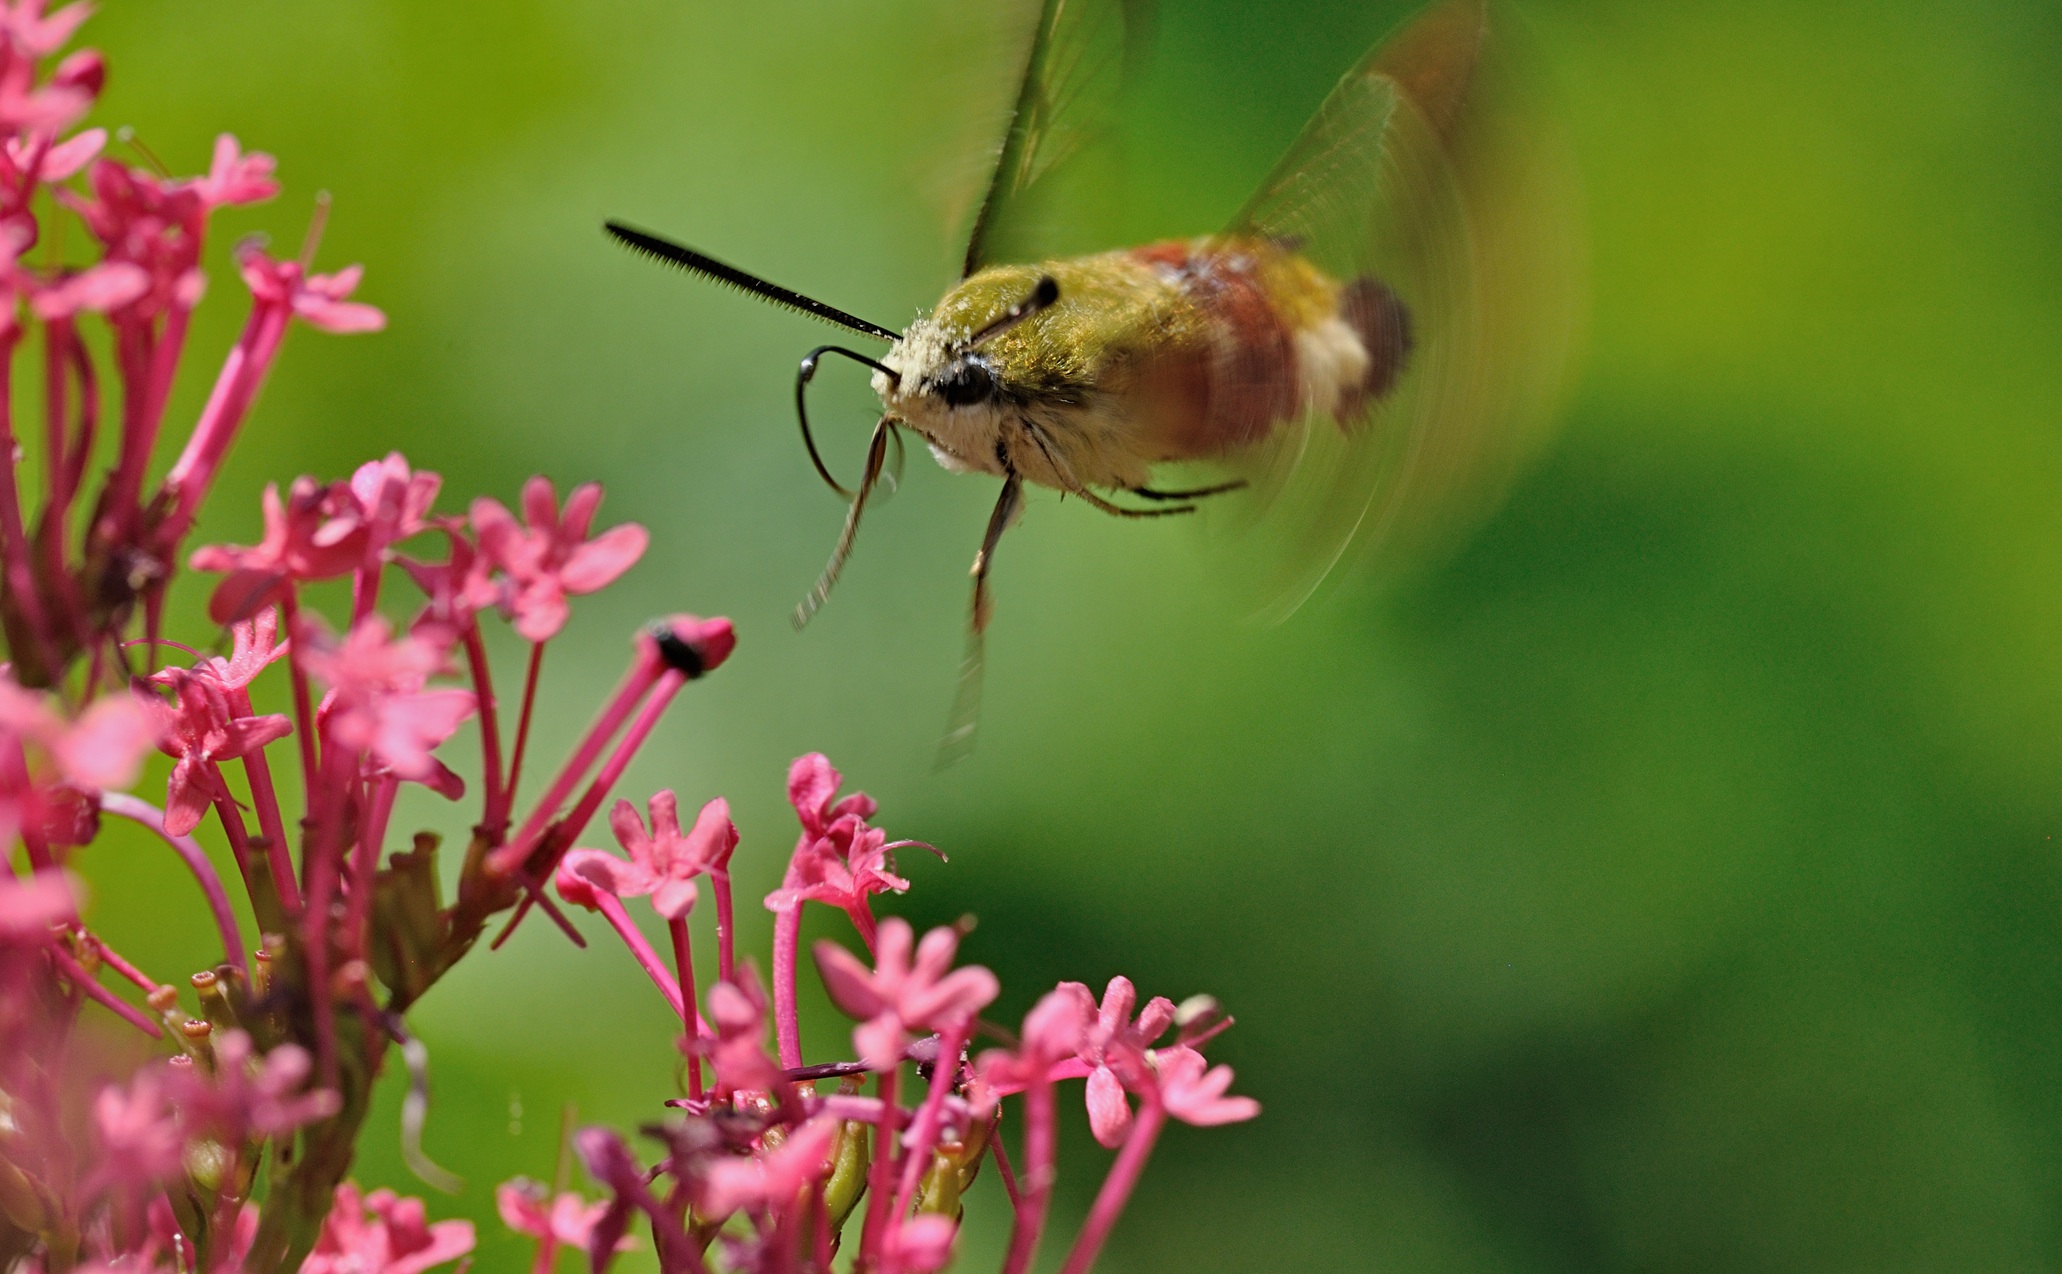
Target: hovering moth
(1364,351)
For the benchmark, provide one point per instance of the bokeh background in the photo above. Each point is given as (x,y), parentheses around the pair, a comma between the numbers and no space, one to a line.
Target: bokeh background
(1665,880)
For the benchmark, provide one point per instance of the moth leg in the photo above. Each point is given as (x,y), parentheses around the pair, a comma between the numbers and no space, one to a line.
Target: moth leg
(966,698)
(876,457)
(1197,494)
(1072,485)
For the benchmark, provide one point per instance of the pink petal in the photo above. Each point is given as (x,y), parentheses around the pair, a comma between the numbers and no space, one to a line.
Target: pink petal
(107,286)
(443,780)
(29,907)
(630,833)
(449,1240)
(934,954)
(674,899)
(540,611)
(713,836)
(578,515)
(957,997)
(1109,1114)
(923,1244)
(811,784)
(598,562)
(665,811)
(189,795)
(248,734)
(342,317)
(540,504)
(879,1041)
(849,983)
(70,155)
(519,1211)
(1056,1025)
(104,749)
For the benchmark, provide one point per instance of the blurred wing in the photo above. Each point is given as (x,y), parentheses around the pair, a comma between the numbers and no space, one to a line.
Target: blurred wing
(1433,169)
(1054,177)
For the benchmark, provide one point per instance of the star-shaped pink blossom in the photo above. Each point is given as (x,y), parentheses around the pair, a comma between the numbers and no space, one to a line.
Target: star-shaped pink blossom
(568,1221)
(207,726)
(1114,1047)
(1193,1091)
(383,1233)
(377,703)
(664,861)
(770,1179)
(738,1012)
(317,532)
(548,556)
(898,996)
(316,299)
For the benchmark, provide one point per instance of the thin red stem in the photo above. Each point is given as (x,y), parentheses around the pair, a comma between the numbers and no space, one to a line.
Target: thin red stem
(122,805)
(683,970)
(787,942)
(258,771)
(304,700)
(522,739)
(880,1173)
(494,802)
(1039,1128)
(611,908)
(643,672)
(92,989)
(1116,1191)
(924,1133)
(113,960)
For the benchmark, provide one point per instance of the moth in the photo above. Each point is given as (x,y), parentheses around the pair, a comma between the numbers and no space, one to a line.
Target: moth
(1360,355)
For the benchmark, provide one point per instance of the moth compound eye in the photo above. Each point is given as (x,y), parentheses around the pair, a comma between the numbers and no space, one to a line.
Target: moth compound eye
(966,383)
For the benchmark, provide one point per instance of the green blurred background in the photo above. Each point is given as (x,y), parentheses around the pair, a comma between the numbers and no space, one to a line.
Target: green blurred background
(1664,881)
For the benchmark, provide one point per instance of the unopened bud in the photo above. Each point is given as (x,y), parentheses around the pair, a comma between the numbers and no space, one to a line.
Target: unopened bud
(1197,1010)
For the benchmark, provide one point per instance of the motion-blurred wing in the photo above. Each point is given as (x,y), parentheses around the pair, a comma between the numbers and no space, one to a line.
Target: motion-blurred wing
(1432,168)
(1054,176)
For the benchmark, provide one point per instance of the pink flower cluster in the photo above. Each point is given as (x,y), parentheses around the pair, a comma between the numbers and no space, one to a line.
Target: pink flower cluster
(762,1170)
(264,1060)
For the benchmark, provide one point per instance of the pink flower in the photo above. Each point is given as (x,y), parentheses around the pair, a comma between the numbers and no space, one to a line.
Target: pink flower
(1055,1031)
(102,750)
(384,1234)
(36,34)
(663,862)
(839,859)
(1114,1045)
(920,1245)
(248,1095)
(737,1011)
(236,178)
(377,704)
(59,161)
(141,1142)
(317,299)
(527,1208)
(30,908)
(772,1178)
(107,286)
(813,784)
(551,557)
(207,726)
(456,587)
(898,996)
(316,533)
(1194,1094)
(393,501)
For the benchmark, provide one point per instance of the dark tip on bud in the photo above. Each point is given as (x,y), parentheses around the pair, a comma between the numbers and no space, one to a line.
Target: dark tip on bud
(1047,292)
(691,646)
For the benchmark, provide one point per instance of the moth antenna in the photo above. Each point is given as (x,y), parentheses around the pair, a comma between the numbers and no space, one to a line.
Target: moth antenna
(685,258)
(1044,294)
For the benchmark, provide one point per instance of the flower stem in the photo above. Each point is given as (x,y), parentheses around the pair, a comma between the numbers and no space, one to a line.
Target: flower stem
(726,936)
(122,805)
(611,907)
(259,772)
(1038,1178)
(944,1074)
(683,970)
(880,1172)
(522,739)
(1116,1191)
(787,942)
(494,801)
(92,990)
